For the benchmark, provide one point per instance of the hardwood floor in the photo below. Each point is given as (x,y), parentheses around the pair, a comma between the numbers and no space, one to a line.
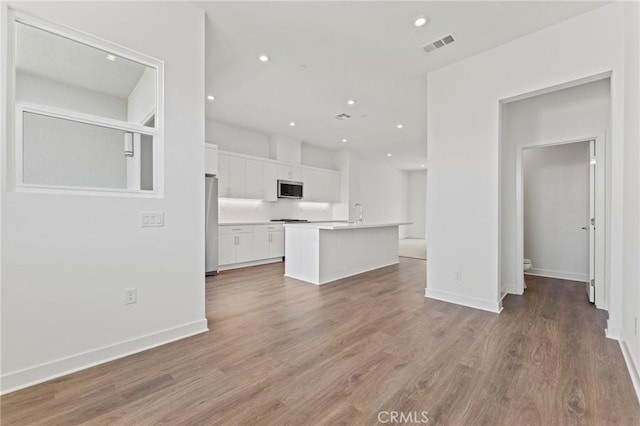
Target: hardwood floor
(284,352)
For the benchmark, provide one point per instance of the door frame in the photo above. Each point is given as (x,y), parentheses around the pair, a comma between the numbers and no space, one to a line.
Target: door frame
(601,286)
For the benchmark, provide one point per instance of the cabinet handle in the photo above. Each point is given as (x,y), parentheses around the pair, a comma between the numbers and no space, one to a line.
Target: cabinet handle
(236,229)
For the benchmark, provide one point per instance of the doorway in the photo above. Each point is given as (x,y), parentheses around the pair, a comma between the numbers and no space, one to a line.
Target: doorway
(558,205)
(573,112)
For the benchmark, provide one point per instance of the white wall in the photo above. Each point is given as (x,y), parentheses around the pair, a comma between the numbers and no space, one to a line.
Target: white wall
(36,89)
(562,115)
(556,206)
(66,259)
(317,157)
(417,197)
(631,218)
(382,191)
(463,215)
(230,210)
(234,139)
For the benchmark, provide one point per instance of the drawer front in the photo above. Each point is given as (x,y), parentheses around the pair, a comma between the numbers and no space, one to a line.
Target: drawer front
(268,228)
(230,229)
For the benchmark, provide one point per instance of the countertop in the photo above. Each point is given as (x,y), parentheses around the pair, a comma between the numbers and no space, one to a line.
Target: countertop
(337,226)
(268,222)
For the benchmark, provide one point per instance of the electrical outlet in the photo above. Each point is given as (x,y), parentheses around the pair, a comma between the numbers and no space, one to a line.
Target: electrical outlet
(130,296)
(458,276)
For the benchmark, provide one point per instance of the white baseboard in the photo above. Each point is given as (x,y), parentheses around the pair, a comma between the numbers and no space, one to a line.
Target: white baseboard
(252,263)
(570,276)
(458,299)
(631,367)
(511,289)
(612,331)
(17,380)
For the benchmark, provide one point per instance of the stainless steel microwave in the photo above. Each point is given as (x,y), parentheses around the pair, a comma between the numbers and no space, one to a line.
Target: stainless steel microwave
(289,189)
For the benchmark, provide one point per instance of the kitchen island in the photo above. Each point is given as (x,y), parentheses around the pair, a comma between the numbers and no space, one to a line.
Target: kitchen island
(319,253)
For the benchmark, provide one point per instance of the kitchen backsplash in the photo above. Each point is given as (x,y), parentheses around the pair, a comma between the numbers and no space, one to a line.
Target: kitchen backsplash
(230,210)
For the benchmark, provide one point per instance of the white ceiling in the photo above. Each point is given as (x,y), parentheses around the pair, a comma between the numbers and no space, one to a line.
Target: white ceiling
(75,64)
(324,53)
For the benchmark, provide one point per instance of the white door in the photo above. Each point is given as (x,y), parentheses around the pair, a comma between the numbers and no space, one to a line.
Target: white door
(591,222)
(261,242)
(237,177)
(276,248)
(226,248)
(244,247)
(269,182)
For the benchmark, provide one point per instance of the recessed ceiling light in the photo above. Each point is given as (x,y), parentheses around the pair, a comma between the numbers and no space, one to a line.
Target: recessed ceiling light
(399,126)
(351,101)
(292,124)
(389,155)
(263,58)
(344,140)
(211,97)
(420,21)
(111,57)
(422,166)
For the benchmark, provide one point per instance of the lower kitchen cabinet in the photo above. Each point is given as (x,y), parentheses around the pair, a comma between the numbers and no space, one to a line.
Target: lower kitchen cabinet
(248,245)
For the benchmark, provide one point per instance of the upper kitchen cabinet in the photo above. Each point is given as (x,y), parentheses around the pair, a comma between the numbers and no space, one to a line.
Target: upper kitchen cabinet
(232,176)
(242,176)
(288,172)
(253,179)
(269,181)
(321,185)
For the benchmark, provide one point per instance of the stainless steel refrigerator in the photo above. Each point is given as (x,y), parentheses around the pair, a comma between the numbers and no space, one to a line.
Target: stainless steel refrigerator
(211,225)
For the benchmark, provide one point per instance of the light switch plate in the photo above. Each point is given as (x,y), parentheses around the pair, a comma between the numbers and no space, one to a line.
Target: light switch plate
(148,219)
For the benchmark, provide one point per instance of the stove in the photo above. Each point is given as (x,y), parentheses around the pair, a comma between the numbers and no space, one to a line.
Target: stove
(290,220)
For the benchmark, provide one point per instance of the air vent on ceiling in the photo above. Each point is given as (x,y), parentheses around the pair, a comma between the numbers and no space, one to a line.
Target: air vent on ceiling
(343,116)
(439,43)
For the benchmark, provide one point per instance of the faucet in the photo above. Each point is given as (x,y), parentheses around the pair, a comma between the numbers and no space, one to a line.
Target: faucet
(361,215)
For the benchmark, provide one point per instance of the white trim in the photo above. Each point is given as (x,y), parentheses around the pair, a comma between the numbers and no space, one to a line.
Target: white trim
(458,299)
(251,263)
(561,275)
(81,117)
(600,141)
(14,142)
(628,360)
(50,370)
(612,331)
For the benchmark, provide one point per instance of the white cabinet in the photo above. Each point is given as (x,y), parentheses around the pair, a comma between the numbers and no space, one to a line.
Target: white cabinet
(310,179)
(253,179)
(235,244)
(237,178)
(269,181)
(268,241)
(288,172)
(232,176)
(321,186)
(249,243)
(223,176)
(210,159)
(244,177)
(330,187)
(276,244)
